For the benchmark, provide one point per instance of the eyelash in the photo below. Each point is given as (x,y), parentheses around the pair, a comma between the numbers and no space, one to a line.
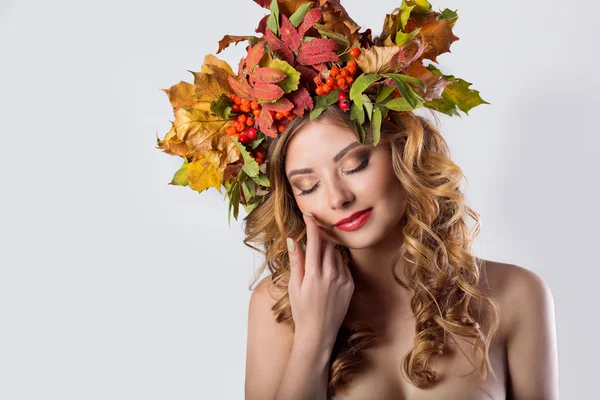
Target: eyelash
(363,165)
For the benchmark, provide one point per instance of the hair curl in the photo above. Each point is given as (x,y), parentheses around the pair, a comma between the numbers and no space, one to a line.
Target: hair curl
(441,271)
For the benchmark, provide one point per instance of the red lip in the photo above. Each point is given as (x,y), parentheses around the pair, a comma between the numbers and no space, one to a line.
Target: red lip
(351,217)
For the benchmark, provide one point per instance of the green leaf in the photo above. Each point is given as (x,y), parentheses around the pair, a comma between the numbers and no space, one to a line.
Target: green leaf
(361,131)
(181,176)
(448,15)
(368,105)
(398,104)
(384,92)
(341,39)
(459,93)
(421,6)
(405,13)
(322,102)
(407,78)
(221,106)
(273,20)
(407,92)
(257,141)
(360,85)
(376,125)
(290,83)
(250,165)
(443,105)
(402,38)
(357,113)
(298,16)
(234,201)
(262,179)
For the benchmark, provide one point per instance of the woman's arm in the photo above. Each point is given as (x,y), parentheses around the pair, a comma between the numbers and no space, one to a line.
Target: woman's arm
(531,344)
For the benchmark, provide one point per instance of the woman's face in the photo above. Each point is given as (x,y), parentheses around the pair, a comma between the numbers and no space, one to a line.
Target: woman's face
(333,175)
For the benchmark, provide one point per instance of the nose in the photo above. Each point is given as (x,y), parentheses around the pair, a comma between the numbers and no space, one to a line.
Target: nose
(339,195)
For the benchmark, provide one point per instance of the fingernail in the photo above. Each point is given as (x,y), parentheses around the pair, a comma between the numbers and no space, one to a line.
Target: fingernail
(307,213)
(291,245)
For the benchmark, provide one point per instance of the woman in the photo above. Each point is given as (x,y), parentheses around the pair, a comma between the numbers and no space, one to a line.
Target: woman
(386,307)
(317,127)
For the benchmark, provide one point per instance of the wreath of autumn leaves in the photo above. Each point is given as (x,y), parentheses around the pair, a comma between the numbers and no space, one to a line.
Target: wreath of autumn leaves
(223,118)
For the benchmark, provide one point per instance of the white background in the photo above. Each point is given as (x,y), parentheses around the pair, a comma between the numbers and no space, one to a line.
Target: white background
(115,285)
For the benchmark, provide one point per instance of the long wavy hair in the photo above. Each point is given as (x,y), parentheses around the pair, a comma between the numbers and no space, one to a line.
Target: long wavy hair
(441,271)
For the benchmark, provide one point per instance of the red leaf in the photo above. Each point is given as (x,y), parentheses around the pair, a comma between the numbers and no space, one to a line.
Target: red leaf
(397,60)
(282,105)
(307,74)
(279,47)
(318,51)
(266,92)
(262,25)
(302,100)
(288,34)
(267,75)
(241,88)
(321,67)
(263,3)
(311,18)
(255,54)
(264,122)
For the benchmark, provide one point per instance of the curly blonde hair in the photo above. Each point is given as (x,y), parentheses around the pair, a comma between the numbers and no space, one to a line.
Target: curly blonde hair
(441,271)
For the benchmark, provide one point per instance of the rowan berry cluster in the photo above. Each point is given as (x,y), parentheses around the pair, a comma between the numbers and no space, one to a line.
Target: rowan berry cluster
(243,126)
(339,78)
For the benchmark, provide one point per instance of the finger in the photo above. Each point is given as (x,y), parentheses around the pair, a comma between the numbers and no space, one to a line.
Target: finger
(329,262)
(345,270)
(313,246)
(296,257)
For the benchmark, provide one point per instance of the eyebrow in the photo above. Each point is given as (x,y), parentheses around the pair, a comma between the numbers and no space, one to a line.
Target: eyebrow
(337,158)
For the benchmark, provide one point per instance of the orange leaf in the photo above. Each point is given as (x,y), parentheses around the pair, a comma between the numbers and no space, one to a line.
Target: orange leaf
(438,36)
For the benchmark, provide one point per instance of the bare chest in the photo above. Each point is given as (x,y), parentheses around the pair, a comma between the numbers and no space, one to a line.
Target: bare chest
(457,370)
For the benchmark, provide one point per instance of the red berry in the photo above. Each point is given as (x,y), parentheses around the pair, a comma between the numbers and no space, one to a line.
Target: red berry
(345,105)
(319,90)
(335,71)
(342,96)
(252,133)
(330,80)
(242,118)
(244,139)
(355,52)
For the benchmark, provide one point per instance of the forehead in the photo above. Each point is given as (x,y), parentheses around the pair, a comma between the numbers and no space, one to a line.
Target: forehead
(317,142)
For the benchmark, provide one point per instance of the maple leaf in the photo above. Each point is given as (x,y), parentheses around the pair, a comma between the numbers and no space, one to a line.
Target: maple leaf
(318,51)
(438,36)
(377,59)
(289,35)
(229,39)
(207,85)
(435,84)
(205,172)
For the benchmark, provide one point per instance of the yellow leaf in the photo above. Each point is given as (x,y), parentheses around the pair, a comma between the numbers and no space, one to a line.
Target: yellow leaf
(376,60)
(210,60)
(205,172)
(204,131)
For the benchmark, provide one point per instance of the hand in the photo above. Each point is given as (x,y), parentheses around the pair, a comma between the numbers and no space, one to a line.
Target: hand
(320,286)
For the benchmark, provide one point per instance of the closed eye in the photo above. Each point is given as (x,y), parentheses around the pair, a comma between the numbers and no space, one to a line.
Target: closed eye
(362,166)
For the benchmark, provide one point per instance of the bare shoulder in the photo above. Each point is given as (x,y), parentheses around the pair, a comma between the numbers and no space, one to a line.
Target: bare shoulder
(511,286)
(269,343)
(527,304)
